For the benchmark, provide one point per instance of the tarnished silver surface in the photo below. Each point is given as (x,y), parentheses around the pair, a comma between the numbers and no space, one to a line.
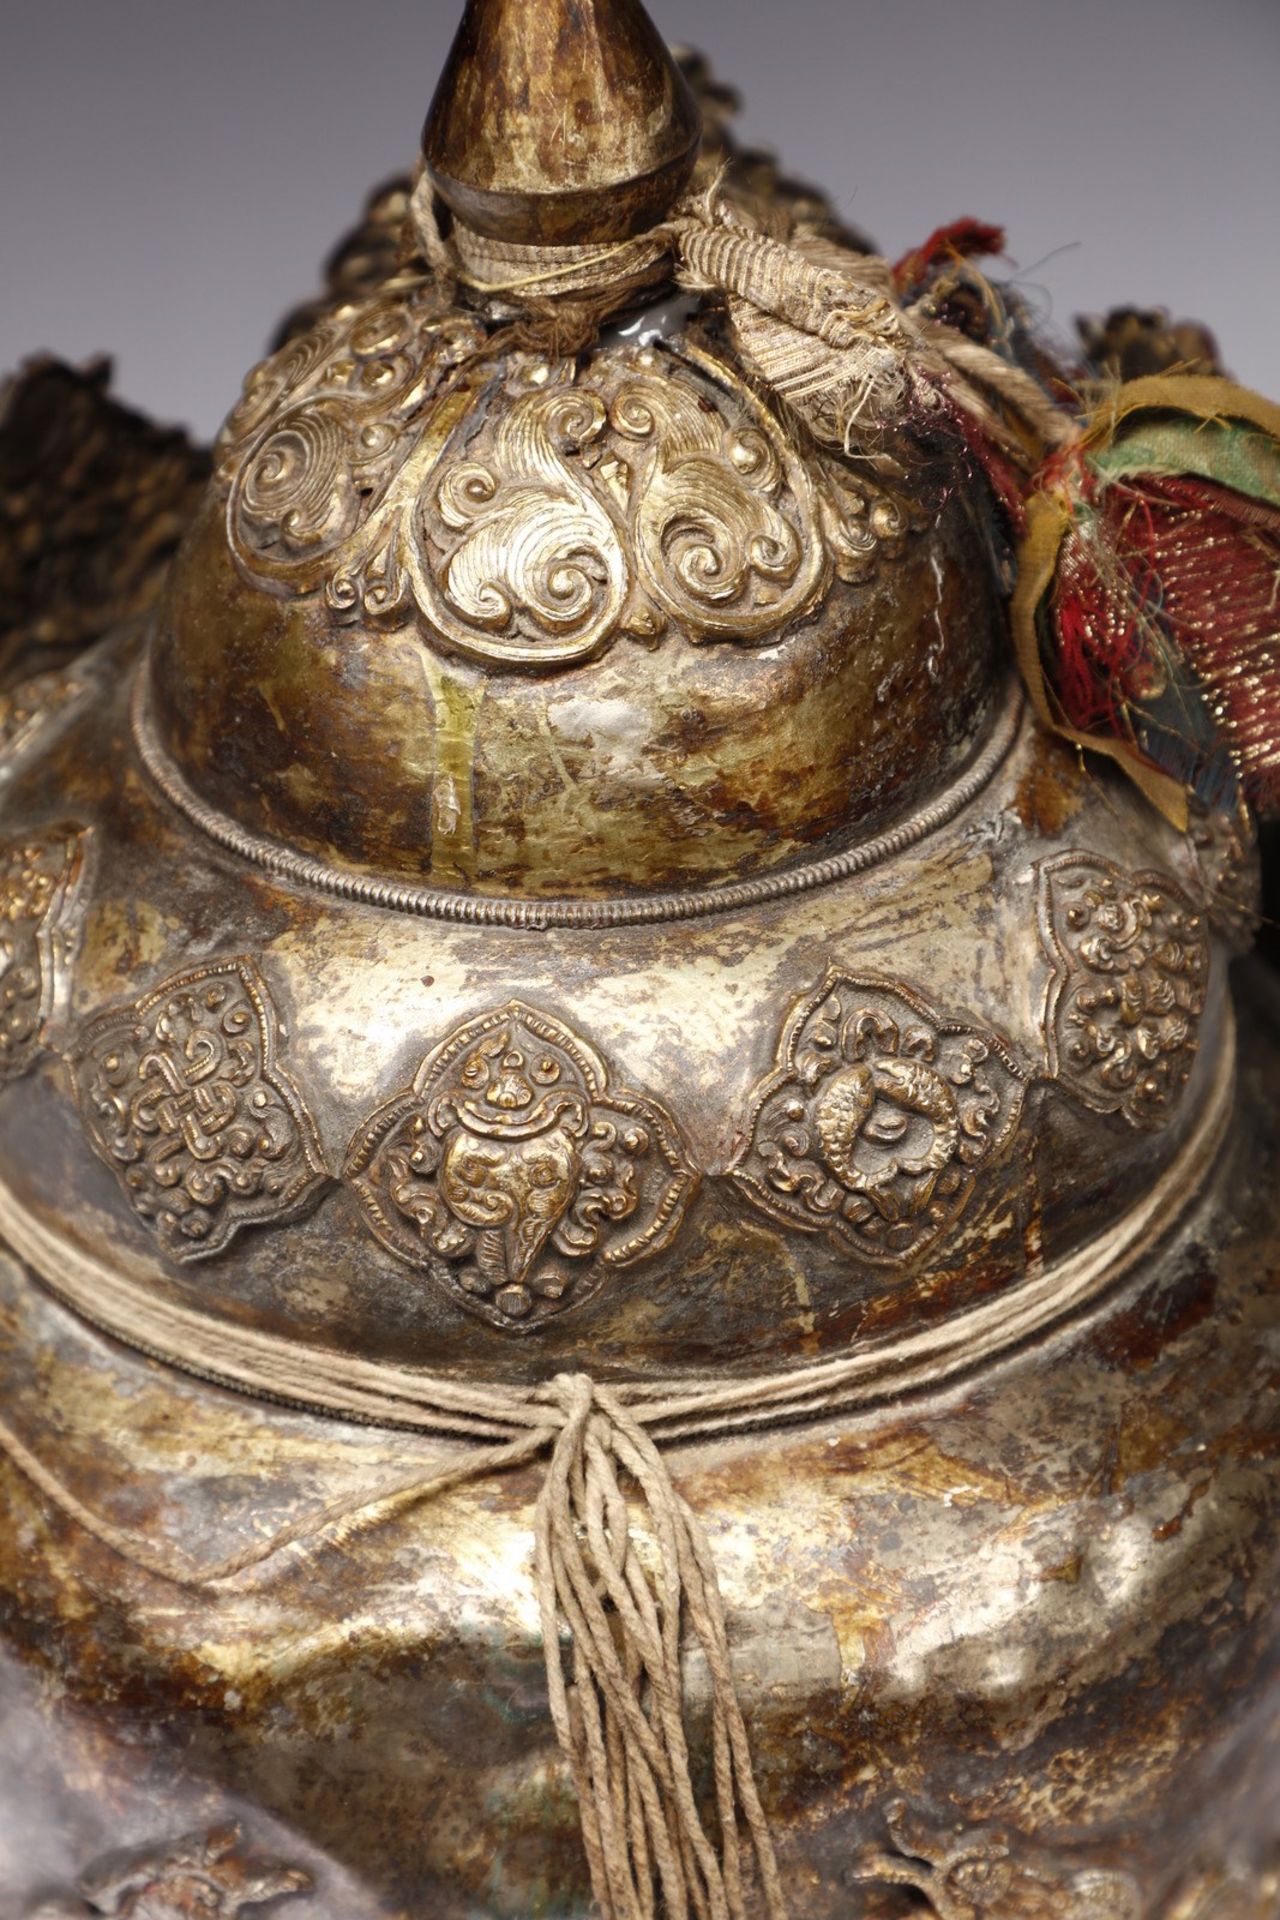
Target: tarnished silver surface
(559,879)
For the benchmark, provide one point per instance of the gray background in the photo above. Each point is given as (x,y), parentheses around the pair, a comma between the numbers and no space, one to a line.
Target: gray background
(172,173)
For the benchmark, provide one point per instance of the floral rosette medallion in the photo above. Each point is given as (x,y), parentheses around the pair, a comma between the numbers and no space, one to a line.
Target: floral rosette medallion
(1131,964)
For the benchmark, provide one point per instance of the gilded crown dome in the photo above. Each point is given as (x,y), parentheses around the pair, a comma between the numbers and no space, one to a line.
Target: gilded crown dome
(555,626)
(468,610)
(567,856)
(568,961)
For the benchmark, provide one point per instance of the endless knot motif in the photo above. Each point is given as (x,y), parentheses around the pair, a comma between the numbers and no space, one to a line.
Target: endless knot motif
(877,1119)
(531,511)
(37,884)
(182,1097)
(27,708)
(1131,965)
(515,1173)
(203,1876)
(987,1874)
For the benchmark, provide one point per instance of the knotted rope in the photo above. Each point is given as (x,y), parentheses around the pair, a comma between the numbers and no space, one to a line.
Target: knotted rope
(818,324)
(621,1720)
(621,1563)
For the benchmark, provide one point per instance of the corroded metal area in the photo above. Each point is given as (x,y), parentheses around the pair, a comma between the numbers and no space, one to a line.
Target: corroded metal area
(572,1053)
(1002,1649)
(202,1876)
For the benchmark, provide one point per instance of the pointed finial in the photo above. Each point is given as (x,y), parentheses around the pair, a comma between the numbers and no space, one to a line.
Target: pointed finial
(560,121)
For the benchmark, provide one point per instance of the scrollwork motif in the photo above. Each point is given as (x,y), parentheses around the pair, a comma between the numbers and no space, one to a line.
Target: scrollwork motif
(521,558)
(516,1173)
(530,511)
(985,1873)
(1238,1892)
(182,1097)
(38,875)
(721,556)
(313,453)
(877,1119)
(203,1876)
(1130,970)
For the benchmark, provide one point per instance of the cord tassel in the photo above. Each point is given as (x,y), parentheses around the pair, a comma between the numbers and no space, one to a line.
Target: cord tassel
(623,1722)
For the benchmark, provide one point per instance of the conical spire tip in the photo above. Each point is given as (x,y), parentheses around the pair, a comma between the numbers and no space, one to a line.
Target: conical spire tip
(560,121)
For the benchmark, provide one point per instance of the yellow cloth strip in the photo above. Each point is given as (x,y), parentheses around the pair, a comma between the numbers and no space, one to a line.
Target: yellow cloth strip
(1207,396)
(1047,524)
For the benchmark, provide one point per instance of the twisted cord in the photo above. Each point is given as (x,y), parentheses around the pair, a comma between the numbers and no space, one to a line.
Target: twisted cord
(828,337)
(819,324)
(621,1719)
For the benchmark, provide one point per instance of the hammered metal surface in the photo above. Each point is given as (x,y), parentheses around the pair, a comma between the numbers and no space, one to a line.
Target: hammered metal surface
(1019,1636)
(999,1165)
(603,631)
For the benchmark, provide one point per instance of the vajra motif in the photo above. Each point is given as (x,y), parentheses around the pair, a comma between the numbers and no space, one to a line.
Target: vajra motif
(516,1173)
(203,1876)
(1130,968)
(38,875)
(531,512)
(183,1098)
(877,1118)
(986,1874)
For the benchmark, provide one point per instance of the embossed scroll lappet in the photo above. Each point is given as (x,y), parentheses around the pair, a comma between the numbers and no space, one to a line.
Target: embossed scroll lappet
(986,1873)
(202,1876)
(529,512)
(877,1119)
(1130,970)
(516,1172)
(38,875)
(183,1098)
(1227,868)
